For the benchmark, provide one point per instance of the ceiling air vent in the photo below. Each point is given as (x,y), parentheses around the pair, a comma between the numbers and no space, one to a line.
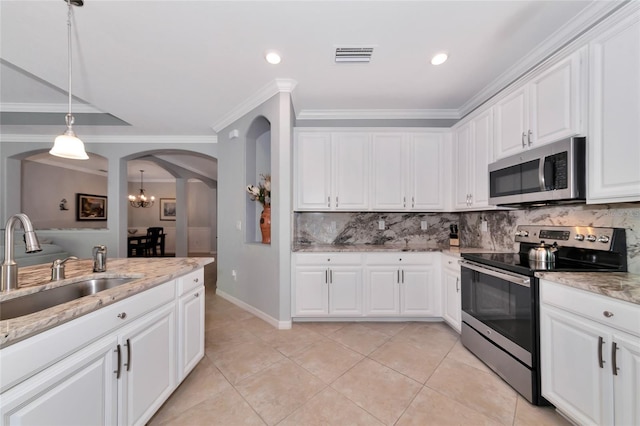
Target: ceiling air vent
(354,54)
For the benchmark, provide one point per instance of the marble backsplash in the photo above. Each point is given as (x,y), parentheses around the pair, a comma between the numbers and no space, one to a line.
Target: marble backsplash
(401,228)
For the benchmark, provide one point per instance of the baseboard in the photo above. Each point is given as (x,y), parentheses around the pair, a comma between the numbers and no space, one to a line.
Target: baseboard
(280,325)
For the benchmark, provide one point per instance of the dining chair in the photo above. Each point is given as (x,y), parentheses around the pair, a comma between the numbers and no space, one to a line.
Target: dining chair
(155,241)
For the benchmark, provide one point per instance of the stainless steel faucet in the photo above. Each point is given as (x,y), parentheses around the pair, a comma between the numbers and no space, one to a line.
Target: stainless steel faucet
(9,280)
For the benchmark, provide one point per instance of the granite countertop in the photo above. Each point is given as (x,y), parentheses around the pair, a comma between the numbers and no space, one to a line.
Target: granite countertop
(371,248)
(618,285)
(149,272)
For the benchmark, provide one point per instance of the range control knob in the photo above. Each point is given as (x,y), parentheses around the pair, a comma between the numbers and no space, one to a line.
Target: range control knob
(591,238)
(603,239)
(522,233)
(579,237)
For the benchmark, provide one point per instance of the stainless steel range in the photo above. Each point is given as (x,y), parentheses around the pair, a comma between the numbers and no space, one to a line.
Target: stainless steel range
(500,303)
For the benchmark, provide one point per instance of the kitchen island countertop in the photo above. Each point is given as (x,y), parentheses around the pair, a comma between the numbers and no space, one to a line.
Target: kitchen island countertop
(147,273)
(618,285)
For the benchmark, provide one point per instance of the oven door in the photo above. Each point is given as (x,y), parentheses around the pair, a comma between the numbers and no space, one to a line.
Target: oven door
(500,305)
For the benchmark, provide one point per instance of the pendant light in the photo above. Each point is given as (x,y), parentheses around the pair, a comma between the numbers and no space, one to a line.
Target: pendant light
(68,145)
(141,200)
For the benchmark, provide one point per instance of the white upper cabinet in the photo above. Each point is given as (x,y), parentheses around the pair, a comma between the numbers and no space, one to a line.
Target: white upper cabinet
(549,107)
(331,170)
(472,155)
(613,146)
(407,171)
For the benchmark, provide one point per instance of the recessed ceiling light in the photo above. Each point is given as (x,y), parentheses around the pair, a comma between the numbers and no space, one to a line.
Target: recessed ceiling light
(438,59)
(273,57)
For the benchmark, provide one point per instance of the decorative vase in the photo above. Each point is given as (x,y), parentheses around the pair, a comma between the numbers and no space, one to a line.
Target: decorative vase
(265,225)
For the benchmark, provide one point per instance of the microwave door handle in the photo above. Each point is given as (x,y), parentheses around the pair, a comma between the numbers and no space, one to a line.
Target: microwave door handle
(543,186)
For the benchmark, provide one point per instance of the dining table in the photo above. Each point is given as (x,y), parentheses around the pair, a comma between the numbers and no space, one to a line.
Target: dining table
(136,242)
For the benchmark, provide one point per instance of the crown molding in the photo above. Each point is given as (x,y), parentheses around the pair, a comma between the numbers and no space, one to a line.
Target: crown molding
(48,107)
(377,114)
(595,12)
(279,85)
(144,139)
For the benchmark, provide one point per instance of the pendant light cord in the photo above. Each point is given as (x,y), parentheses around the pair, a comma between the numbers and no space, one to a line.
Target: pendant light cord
(69,117)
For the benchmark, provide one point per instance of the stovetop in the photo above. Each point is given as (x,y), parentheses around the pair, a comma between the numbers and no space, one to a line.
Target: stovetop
(579,249)
(519,263)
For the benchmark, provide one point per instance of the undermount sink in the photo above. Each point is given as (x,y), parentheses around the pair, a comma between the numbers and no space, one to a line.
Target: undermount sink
(35,302)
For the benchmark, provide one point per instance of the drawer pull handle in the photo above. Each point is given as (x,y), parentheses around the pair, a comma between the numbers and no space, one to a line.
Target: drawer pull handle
(457,285)
(119,361)
(600,344)
(197,295)
(122,315)
(614,364)
(195,280)
(607,314)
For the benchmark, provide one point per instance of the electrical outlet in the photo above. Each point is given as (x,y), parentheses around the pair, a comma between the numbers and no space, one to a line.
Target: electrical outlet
(234,274)
(239,225)
(381,225)
(423,225)
(484,226)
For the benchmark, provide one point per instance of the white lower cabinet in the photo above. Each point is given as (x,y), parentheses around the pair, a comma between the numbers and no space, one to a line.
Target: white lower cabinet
(327,284)
(191,298)
(451,301)
(114,366)
(401,285)
(590,355)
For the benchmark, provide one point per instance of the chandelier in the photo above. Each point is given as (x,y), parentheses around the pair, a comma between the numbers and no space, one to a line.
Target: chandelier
(68,145)
(141,200)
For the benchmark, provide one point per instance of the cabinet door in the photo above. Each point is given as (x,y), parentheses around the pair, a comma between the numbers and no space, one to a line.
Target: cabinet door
(426,159)
(462,152)
(149,365)
(614,99)
(556,104)
(382,293)
(350,160)
(417,291)
(312,171)
(451,304)
(511,122)
(627,381)
(345,290)
(389,172)
(311,291)
(80,390)
(572,379)
(481,155)
(190,331)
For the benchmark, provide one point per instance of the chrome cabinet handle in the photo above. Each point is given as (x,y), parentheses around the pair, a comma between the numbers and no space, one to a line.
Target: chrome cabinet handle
(524,135)
(195,280)
(607,314)
(197,294)
(119,361)
(122,315)
(403,276)
(326,276)
(329,201)
(529,137)
(413,202)
(398,278)
(336,201)
(457,284)
(614,364)
(128,364)
(600,344)
(404,201)
(330,276)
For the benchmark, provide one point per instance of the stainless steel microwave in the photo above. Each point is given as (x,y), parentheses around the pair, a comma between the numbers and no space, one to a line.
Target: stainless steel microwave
(553,173)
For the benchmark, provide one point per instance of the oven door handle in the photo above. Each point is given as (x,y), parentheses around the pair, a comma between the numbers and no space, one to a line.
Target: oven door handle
(516,279)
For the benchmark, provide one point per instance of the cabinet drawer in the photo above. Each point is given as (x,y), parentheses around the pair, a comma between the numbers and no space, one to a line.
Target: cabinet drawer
(25,358)
(625,316)
(401,258)
(328,259)
(188,282)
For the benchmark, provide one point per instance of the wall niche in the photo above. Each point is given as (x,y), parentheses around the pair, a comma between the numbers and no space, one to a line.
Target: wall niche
(257,166)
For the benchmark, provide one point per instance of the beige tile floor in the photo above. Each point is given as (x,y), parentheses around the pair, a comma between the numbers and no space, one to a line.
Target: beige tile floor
(340,374)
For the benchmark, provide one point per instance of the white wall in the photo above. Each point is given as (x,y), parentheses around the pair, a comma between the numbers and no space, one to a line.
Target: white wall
(263,271)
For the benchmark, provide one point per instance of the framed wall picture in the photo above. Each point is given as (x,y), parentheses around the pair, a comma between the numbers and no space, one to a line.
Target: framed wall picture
(167,209)
(91,207)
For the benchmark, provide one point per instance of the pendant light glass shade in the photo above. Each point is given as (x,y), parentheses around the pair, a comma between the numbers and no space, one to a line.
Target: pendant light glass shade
(68,145)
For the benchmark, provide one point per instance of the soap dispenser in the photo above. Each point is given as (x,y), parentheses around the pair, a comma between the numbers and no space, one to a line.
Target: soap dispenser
(100,258)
